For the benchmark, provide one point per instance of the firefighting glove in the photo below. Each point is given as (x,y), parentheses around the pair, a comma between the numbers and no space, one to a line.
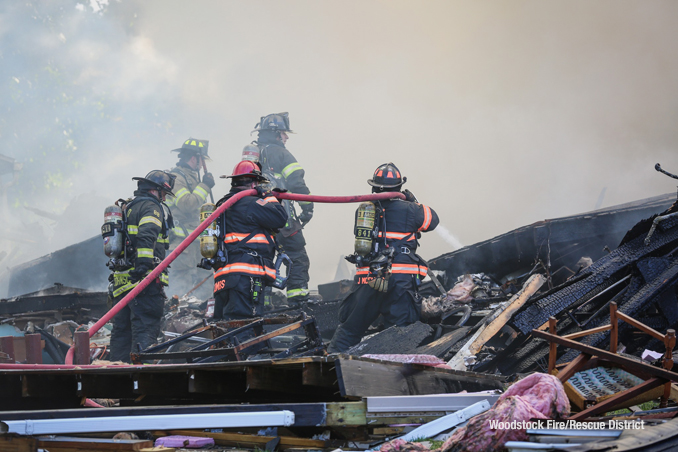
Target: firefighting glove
(306,213)
(138,273)
(409,196)
(280,190)
(380,283)
(208,180)
(263,191)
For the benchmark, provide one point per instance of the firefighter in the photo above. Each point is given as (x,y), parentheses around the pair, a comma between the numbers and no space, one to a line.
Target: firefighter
(281,168)
(247,231)
(389,273)
(191,193)
(148,221)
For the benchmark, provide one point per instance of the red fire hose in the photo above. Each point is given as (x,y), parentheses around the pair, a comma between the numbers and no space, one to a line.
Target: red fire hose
(202,226)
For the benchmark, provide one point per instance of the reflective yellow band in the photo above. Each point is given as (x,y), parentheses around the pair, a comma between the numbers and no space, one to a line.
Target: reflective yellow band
(169,201)
(145,252)
(164,278)
(297,293)
(123,289)
(179,232)
(161,239)
(289,169)
(200,192)
(181,193)
(153,220)
(132,230)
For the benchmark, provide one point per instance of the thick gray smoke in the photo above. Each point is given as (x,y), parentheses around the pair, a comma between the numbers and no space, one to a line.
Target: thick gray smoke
(499,113)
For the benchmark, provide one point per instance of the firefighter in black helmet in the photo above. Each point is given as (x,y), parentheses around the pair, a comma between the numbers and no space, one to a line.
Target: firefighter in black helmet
(281,168)
(388,276)
(148,221)
(191,192)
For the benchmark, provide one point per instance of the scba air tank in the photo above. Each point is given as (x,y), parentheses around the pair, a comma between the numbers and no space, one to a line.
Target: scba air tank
(364,225)
(112,233)
(208,237)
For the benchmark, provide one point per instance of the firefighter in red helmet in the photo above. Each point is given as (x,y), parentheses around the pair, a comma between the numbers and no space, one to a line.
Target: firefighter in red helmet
(247,234)
(388,270)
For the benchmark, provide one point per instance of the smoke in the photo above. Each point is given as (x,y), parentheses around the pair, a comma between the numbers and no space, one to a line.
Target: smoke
(500,114)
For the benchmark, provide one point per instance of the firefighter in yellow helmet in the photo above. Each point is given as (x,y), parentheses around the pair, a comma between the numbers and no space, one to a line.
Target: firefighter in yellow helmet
(190,192)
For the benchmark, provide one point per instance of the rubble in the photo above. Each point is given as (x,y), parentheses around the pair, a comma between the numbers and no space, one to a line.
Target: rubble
(489,328)
(403,339)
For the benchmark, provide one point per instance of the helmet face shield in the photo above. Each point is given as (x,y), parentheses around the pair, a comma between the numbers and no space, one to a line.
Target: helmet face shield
(277,122)
(158,180)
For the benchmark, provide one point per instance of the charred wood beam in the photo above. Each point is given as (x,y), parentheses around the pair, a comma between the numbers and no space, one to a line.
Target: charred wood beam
(605,270)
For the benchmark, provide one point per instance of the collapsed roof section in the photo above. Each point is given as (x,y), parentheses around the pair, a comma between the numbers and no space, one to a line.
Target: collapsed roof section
(555,245)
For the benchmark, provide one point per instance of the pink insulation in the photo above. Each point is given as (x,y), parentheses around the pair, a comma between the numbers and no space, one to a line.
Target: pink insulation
(478,435)
(400,445)
(544,392)
(538,396)
(462,290)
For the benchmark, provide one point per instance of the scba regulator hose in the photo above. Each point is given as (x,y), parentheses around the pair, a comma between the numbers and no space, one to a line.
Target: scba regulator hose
(202,226)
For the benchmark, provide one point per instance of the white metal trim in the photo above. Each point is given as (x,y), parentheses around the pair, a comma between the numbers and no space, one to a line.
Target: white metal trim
(282,418)
(423,403)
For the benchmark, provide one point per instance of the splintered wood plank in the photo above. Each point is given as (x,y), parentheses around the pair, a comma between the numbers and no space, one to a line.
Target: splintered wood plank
(346,414)
(485,333)
(363,378)
(18,444)
(243,440)
(68,443)
(319,374)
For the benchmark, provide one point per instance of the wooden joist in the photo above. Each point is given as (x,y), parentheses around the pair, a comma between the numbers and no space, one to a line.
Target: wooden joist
(487,332)
(254,441)
(73,444)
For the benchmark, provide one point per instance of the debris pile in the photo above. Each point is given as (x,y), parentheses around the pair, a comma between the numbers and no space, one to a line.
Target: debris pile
(580,331)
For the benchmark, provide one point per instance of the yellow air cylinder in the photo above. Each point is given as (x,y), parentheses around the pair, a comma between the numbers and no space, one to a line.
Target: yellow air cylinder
(364,225)
(208,237)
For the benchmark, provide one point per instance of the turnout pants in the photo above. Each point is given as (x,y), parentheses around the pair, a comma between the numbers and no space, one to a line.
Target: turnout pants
(297,281)
(137,323)
(235,301)
(400,305)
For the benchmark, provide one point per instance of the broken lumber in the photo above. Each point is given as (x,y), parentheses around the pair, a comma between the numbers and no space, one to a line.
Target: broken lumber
(501,316)
(68,443)
(243,440)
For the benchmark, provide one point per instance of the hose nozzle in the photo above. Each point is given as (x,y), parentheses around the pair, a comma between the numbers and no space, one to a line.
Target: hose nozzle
(658,167)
